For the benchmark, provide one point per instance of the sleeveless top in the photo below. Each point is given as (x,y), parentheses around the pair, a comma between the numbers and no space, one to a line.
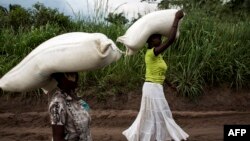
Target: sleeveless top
(156,67)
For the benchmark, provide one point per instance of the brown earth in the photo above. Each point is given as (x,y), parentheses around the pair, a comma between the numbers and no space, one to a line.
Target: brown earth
(24,117)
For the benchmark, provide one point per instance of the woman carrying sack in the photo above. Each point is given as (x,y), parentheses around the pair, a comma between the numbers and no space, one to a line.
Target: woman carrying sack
(154,121)
(69,117)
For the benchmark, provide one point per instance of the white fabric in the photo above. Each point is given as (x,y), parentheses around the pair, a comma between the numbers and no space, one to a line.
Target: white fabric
(154,121)
(159,22)
(70,52)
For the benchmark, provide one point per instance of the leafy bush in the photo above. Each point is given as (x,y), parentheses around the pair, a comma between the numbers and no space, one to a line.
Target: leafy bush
(19,17)
(43,15)
(213,49)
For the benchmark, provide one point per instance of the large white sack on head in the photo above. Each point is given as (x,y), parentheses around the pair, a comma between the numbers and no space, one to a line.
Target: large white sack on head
(157,22)
(70,52)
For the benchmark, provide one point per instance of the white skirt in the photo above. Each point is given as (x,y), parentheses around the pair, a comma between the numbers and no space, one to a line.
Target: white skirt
(154,121)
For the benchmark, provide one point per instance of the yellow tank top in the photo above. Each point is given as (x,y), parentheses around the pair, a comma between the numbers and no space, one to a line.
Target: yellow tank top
(155,67)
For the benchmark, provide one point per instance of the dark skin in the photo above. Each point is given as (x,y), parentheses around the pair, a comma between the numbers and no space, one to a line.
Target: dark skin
(67,84)
(155,41)
(58,132)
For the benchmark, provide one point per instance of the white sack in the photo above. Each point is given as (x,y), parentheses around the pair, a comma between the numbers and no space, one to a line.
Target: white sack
(157,22)
(70,52)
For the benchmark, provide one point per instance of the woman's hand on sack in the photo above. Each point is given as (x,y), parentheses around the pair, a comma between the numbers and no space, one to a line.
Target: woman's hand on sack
(179,14)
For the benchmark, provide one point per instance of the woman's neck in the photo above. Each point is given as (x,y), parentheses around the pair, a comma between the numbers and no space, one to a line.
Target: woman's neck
(150,46)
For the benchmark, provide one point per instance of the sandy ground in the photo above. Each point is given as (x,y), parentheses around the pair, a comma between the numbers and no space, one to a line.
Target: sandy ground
(24,119)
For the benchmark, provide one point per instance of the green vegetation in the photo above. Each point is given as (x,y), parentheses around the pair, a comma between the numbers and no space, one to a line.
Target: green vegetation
(213,48)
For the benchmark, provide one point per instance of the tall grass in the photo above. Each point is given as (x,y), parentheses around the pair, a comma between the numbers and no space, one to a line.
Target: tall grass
(15,46)
(209,52)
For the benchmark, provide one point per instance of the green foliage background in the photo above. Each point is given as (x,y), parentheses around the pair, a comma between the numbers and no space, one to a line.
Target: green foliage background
(213,48)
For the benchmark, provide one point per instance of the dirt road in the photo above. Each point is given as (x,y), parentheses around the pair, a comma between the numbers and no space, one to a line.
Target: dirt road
(24,117)
(107,125)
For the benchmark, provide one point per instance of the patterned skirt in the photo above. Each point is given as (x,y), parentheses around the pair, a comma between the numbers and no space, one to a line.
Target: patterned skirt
(154,121)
